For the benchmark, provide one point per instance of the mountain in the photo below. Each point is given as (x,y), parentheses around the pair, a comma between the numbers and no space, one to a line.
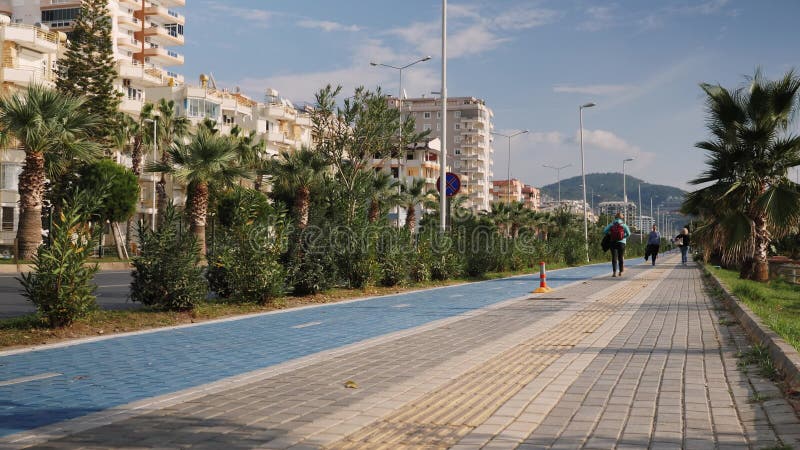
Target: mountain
(608,187)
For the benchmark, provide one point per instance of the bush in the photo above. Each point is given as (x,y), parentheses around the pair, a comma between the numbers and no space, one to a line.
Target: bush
(246,266)
(419,269)
(60,284)
(394,249)
(166,274)
(311,266)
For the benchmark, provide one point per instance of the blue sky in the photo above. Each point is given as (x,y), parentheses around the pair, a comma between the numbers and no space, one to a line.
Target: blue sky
(534,62)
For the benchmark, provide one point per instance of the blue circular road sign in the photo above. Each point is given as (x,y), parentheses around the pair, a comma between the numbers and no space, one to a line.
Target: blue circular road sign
(452,184)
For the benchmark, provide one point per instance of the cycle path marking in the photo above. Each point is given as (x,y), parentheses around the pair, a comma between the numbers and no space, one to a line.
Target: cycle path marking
(101,374)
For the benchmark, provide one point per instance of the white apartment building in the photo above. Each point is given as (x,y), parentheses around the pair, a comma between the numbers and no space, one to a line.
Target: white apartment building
(143,31)
(469,143)
(27,56)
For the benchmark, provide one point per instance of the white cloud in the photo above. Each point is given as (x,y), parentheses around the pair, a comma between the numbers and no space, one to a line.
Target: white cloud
(607,140)
(259,17)
(592,89)
(523,18)
(599,18)
(326,25)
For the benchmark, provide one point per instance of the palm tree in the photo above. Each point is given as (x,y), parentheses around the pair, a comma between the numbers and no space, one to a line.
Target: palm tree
(500,216)
(383,191)
(297,174)
(52,128)
(250,153)
(170,127)
(748,160)
(207,159)
(413,194)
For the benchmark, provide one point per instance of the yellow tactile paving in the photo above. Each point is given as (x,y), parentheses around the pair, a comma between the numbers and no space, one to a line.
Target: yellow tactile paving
(443,417)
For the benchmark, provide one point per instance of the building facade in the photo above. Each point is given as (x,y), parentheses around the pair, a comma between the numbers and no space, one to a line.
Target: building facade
(144,35)
(531,197)
(507,191)
(469,144)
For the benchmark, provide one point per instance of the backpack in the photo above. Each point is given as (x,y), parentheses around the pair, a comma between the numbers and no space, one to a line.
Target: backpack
(617,232)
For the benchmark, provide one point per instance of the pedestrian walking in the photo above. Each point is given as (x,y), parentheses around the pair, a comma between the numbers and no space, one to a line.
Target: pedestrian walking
(653,245)
(618,232)
(682,241)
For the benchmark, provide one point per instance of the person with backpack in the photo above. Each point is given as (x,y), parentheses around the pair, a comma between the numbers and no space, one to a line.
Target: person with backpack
(618,232)
(682,241)
(653,244)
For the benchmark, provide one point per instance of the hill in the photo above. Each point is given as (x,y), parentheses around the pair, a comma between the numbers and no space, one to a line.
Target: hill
(608,187)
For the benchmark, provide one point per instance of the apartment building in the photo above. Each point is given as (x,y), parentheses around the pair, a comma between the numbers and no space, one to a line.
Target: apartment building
(531,197)
(144,33)
(27,56)
(469,143)
(507,191)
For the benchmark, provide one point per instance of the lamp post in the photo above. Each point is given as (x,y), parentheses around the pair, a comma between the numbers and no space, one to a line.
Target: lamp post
(558,177)
(583,178)
(400,151)
(443,149)
(624,190)
(508,171)
(154,121)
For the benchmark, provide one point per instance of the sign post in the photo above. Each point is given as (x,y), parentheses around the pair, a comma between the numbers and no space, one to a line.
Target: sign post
(452,187)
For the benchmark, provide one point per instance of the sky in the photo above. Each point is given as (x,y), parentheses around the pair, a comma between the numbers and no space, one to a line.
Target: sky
(534,62)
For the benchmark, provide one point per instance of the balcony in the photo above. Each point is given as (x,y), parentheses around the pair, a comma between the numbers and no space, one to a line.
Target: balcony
(26,75)
(148,74)
(129,43)
(277,111)
(127,22)
(162,14)
(160,35)
(29,36)
(173,2)
(162,56)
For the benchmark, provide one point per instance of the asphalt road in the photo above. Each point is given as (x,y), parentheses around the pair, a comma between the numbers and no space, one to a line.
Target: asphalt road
(112,293)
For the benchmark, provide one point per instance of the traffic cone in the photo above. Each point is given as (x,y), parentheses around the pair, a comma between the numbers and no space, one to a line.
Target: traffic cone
(542,280)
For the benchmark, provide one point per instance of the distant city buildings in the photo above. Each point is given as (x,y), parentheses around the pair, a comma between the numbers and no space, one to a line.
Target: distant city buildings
(504,191)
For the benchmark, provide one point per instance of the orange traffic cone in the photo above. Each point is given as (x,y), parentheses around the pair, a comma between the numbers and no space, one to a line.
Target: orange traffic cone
(542,280)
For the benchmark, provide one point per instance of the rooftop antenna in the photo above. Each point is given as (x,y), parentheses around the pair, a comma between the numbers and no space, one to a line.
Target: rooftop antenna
(212,81)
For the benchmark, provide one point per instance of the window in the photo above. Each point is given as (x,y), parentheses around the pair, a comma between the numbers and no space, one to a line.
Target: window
(7,219)
(426,115)
(410,156)
(9,176)
(395,172)
(438,126)
(457,114)
(438,114)
(134,94)
(458,126)
(457,164)
(457,139)
(174,29)
(457,151)
(198,107)
(227,120)
(60,17)
(426,127)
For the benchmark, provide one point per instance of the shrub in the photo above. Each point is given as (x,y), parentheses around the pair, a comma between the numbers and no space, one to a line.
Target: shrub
(394,249)
(311,266)
(246,267)
(60,284)
(166,274)
(419,269)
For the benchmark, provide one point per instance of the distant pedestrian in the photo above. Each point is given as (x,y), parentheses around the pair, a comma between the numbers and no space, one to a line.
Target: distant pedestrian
(619,233)
(653,244)
(682,241)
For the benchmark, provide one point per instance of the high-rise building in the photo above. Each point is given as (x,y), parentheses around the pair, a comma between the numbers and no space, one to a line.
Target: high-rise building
(469,143)
(144,31)
(28,55)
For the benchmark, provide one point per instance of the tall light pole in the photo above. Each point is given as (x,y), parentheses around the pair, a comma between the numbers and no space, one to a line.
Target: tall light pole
(154,121)
(401,150)
(508,171)
(624,190)
(443,150)
(558,177)
(583,178)
(639,212)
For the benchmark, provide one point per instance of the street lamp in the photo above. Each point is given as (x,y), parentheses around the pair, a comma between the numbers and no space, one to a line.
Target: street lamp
(154,121)
(624,191)
(508,172)
(558,177)
(583,178)
(400,151)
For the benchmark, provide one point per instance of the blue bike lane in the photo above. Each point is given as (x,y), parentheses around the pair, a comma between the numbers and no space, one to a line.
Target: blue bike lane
(45,386)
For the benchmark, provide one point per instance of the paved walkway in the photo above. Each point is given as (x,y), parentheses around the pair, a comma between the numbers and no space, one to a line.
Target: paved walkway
(637,362)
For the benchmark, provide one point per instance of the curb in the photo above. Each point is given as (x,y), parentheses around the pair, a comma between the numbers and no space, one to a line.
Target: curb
(784,356)
(12,268)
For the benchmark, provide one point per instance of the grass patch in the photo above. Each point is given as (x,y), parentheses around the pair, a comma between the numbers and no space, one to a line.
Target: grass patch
(778,447)
(777,302)
(758,398)
(758,355)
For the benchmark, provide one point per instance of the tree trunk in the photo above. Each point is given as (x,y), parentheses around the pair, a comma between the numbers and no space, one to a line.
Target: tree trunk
(411,218)
(374,211)
(136,156)
(31,192)
(161,200)
(760,264)
(301,204)
(198,209)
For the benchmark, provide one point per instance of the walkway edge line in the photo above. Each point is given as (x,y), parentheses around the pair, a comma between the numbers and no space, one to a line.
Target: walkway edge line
(785,357)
